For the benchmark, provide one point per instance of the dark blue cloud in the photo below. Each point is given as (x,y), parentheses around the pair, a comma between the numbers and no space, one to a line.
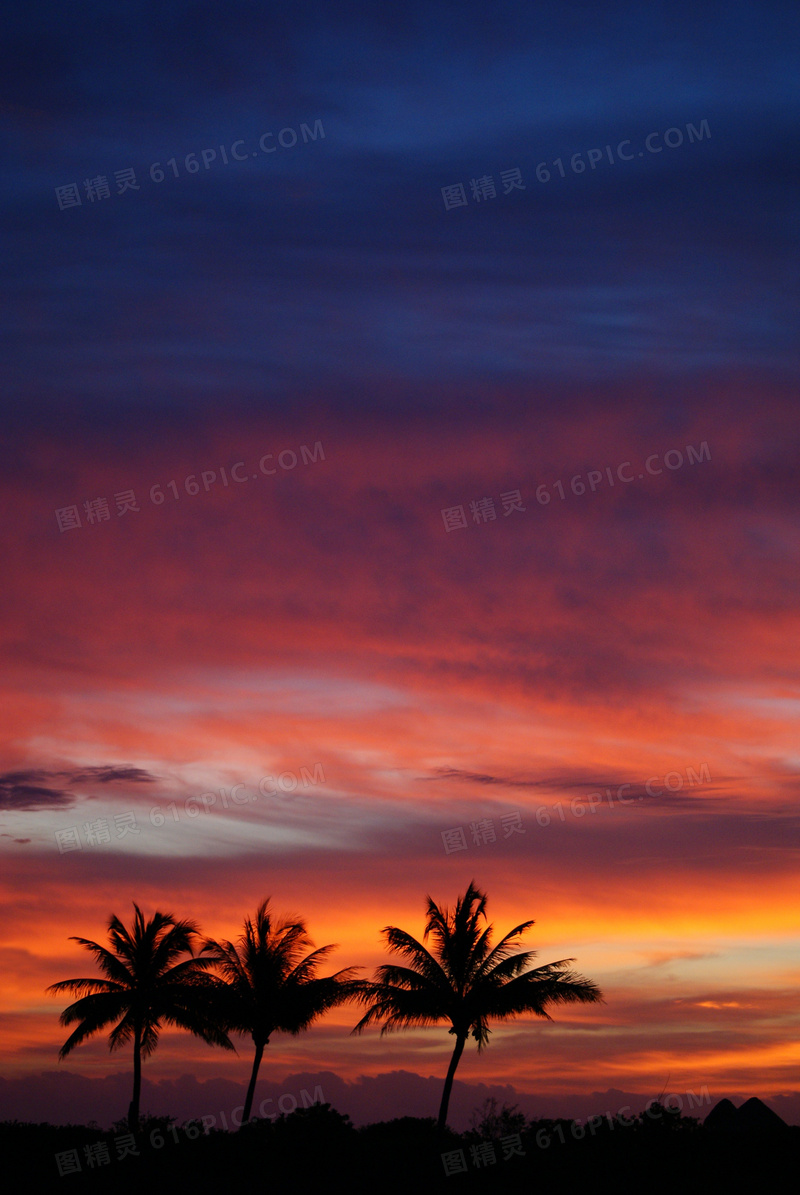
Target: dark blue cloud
(25,790)
(332,264)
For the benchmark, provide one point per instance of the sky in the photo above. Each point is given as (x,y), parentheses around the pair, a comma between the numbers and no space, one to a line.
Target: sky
(400,423)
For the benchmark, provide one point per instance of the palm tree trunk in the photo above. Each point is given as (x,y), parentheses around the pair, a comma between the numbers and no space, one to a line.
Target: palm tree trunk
(251,1090)
(448,1083)
(133,1111)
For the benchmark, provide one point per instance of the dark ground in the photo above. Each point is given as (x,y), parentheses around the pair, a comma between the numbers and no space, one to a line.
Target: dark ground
(317,1145)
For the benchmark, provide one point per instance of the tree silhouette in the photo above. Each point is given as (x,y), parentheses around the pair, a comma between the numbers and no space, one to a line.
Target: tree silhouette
(464,981)
(269,986)
(145,987)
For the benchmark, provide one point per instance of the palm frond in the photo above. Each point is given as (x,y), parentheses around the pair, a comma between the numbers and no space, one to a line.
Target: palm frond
(79,987)
(507,968)
(148,982)
(505,947)
(534,991)
(408,979)
(94,1013)
(122,1033)
(176,942)
(150,1036)
(462,979)
(420,958)
(189,971)
(94,1004)
(271,978)
(109,964)
(304,971)
(401,1008)
(225,957)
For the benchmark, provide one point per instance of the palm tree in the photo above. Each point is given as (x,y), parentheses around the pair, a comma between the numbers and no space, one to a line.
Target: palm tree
(144,987)
(465,982)
(270,986)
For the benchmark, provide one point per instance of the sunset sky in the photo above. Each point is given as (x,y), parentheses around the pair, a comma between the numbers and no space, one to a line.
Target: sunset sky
(369,402)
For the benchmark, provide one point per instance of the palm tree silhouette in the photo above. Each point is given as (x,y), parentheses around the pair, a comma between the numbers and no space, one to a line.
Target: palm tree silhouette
(270,986)
(144,987)
(464,981)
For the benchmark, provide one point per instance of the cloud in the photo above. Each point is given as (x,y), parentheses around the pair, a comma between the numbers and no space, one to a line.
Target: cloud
(659,958)
(24,790)
(64,1097)
(17,793)
(484,778)
(609,790)
(110,774)
(523,343)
